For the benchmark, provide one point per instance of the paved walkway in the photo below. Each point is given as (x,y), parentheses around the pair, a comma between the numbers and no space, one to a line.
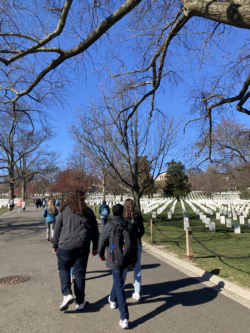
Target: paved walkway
(171,301)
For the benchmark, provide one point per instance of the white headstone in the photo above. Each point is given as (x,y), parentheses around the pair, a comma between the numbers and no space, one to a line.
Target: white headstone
(212,227)
(153,215)
(235,217)
(249,223)
(217,216)
(242,220)
(222,219)
(229,223)
(237,228)
(207,221)
(169,215)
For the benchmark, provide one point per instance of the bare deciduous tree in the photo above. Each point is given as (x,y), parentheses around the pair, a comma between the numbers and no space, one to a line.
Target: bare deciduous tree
(129,140)
(21,155)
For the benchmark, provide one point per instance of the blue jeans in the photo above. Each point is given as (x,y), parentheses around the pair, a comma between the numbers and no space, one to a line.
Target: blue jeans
(117,293)
(104,220)
(78,259)
(137,271)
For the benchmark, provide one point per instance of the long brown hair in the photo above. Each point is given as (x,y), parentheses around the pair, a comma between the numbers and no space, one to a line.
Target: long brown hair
(76,203)
(129,210)
(51,207)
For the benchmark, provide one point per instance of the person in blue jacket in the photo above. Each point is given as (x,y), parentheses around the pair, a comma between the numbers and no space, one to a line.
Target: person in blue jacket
(50,213)
(104,212)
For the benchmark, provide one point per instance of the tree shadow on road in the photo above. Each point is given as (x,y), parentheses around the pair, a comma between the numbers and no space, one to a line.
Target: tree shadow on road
(166,292)
(162,292)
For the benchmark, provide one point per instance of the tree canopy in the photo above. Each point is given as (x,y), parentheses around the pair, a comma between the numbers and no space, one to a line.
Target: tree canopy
(177,183)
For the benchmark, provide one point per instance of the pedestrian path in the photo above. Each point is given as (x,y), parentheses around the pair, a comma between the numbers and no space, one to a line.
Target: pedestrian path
(171,300)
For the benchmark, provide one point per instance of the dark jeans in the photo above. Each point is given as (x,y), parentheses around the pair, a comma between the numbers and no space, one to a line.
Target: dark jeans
(104,220)
(117,293)
(77,258)
(11,207)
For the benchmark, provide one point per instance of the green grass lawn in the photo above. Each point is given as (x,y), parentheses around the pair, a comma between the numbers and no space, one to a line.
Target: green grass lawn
(223,241)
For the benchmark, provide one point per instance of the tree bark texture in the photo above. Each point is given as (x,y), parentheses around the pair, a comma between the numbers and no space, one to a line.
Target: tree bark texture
(235,13)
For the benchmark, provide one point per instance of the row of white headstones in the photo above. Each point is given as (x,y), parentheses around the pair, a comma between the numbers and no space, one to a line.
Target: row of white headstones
(232,210)
(235,210)
(5,202)
(147,205)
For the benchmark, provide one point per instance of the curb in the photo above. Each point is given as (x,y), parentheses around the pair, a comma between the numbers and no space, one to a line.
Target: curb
(200,273)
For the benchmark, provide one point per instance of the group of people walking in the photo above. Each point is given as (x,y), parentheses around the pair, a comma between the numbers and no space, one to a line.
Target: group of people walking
(76,227)
(20,204)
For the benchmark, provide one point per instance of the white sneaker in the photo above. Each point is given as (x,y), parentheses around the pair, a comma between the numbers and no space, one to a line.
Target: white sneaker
(112,304)
(123,323)
(136,296)
(71,278)
(80,306)
(67,300)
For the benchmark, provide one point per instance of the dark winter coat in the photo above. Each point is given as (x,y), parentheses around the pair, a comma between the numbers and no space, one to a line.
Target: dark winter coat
(106,238)
(138,227)
(75,231)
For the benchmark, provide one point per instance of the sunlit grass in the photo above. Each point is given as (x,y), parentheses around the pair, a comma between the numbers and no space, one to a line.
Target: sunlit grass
(224,241)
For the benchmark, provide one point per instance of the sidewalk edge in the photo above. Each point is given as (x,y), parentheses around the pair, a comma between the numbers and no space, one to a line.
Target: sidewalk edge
(230,286)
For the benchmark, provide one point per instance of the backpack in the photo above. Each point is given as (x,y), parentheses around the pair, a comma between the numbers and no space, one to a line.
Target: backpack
(125,246)
(45,212)
(105,212)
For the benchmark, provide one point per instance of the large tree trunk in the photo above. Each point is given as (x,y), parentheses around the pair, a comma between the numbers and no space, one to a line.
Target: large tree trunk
(11,190)
(23,190)
(103,188)
(137,201)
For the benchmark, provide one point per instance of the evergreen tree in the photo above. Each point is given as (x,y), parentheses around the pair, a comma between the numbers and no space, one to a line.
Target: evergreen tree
(177,183)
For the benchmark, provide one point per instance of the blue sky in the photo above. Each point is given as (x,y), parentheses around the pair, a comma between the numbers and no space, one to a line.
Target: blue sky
(174,102)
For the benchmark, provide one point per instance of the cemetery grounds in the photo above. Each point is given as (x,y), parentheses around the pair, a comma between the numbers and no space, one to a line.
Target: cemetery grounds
(224,241)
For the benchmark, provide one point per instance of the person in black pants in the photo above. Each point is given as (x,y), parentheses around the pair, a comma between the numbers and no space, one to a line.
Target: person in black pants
(106,239)
(75,228)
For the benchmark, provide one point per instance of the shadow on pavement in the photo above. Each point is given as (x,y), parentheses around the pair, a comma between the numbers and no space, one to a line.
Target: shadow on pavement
(161,292)
(166,292)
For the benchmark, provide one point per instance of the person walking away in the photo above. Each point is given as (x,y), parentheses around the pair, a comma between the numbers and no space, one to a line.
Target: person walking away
(136,220)
(104,212)
(75,228)
(11,204)
(50,214)
(23,205)
(44,203)
(19,205)
(117,232)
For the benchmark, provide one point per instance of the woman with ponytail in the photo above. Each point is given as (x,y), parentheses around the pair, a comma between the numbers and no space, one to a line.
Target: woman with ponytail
(50,214)
(76,227)
(131,215)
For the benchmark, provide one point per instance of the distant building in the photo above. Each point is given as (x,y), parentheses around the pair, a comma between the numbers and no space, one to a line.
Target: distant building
(162,176)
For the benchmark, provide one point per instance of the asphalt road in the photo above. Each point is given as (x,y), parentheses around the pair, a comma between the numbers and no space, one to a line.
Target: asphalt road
(171,301)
